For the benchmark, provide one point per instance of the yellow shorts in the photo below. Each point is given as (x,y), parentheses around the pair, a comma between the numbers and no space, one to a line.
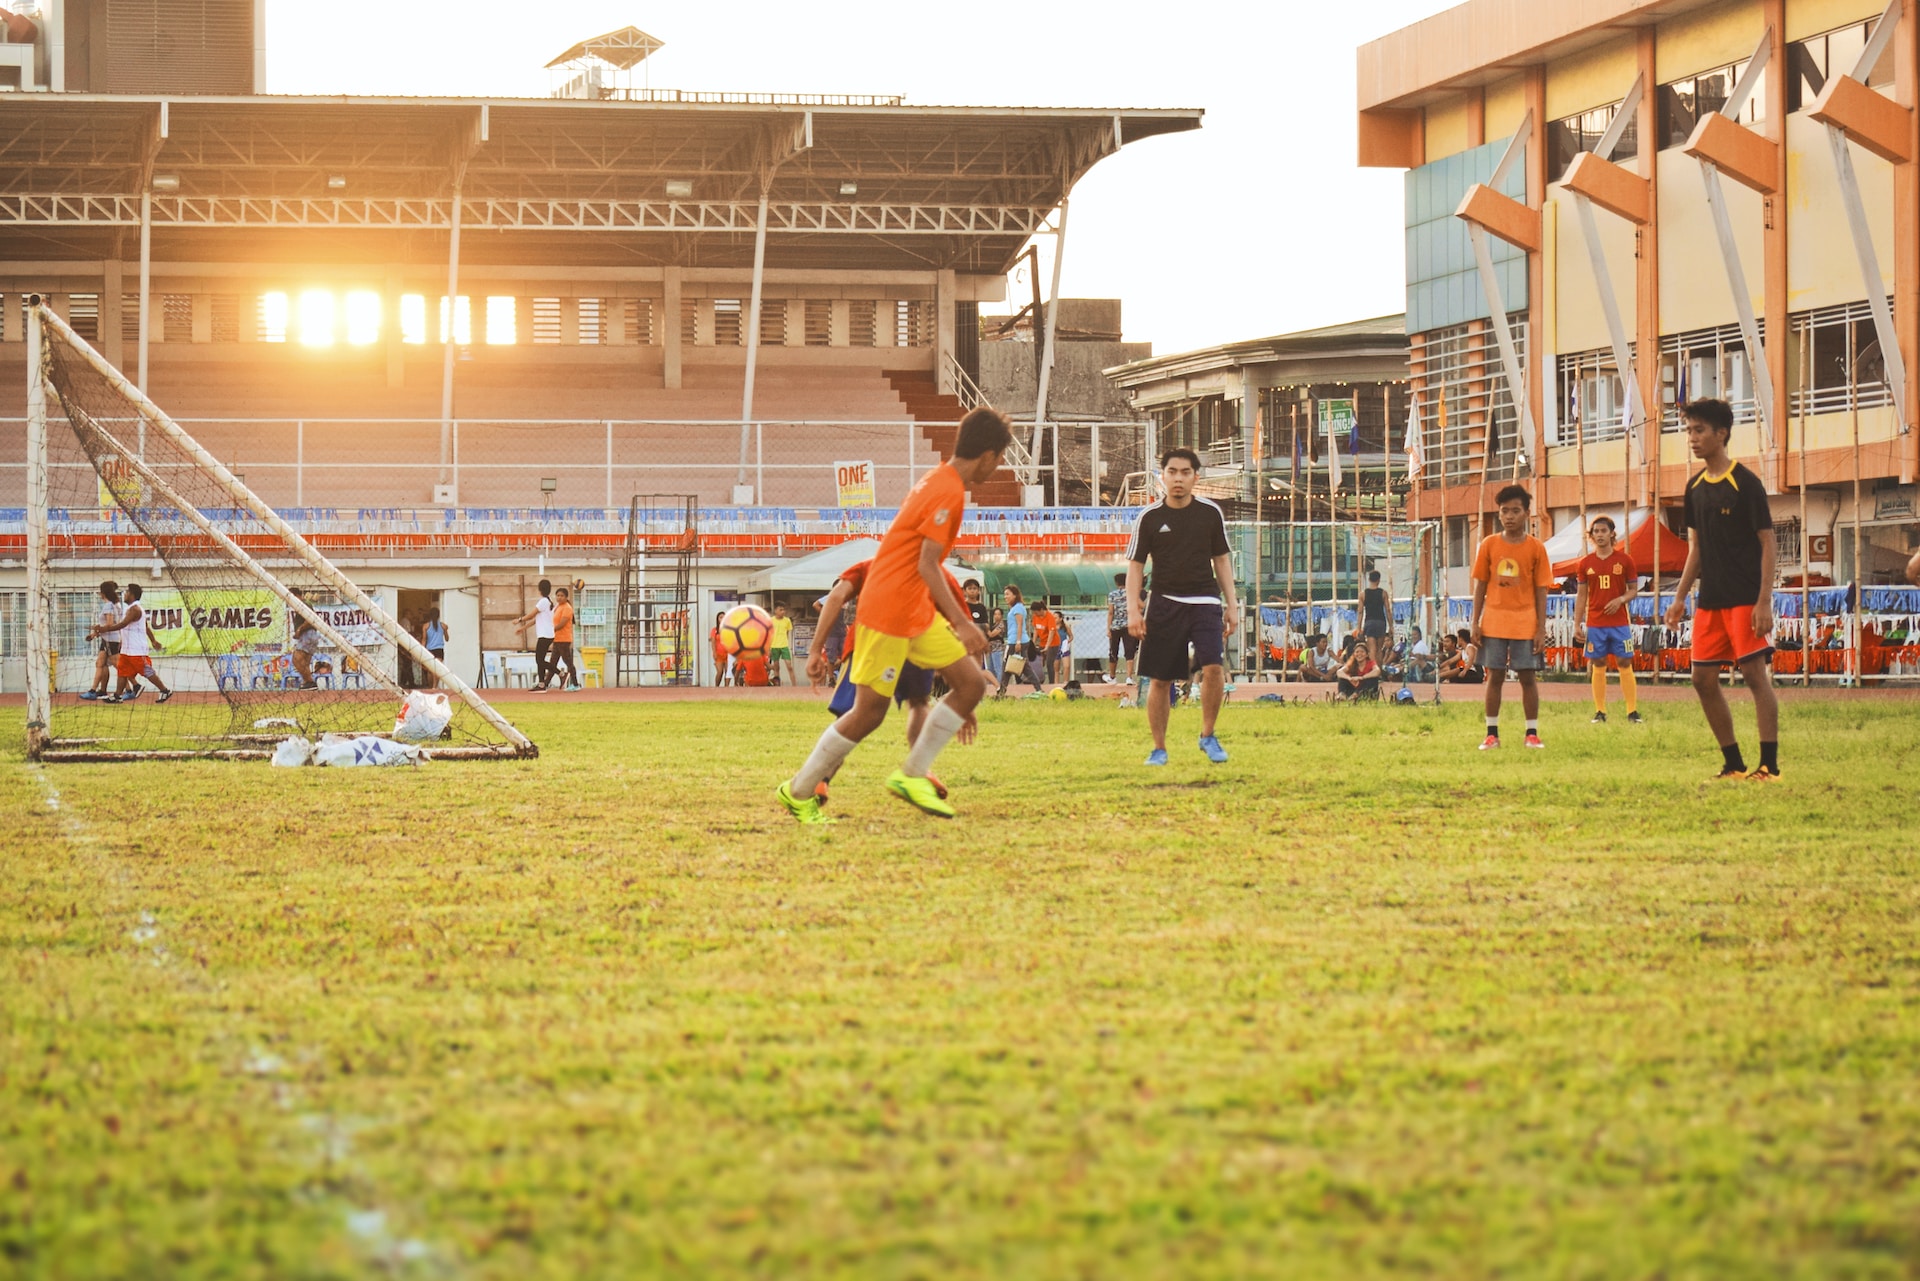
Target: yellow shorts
(877,656)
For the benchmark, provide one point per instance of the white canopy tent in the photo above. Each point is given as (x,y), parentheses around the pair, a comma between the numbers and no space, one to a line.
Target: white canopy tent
(816,573)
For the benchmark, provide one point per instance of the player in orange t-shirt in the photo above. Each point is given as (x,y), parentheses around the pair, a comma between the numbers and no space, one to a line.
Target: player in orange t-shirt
(1608,581)
(1511,575)
(909,614)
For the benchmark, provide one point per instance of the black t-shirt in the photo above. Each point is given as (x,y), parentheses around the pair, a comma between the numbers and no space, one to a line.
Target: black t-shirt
(1373,605)
(978,612)
(1182,542)
(1726,514)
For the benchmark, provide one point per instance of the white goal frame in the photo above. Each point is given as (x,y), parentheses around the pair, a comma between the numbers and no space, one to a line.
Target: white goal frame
(41,744)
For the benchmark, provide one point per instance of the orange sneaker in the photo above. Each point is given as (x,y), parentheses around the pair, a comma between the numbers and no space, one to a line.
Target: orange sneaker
(1490,742)
(1533,740)
(1764,775)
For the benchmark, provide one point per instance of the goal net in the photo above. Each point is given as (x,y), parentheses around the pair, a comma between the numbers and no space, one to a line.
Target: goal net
(251,635)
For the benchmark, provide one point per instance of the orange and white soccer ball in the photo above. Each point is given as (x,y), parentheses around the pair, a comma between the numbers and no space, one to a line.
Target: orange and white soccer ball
(746,631)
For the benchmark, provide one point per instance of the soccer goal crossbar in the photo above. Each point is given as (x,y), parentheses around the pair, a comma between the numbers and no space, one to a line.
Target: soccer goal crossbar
(195,514)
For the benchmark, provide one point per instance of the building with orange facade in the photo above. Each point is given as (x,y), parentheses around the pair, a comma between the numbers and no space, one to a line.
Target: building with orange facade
(1613,206)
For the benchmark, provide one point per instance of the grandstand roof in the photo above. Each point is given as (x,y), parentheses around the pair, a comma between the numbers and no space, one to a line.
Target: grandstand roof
(561,180)
(1306,352)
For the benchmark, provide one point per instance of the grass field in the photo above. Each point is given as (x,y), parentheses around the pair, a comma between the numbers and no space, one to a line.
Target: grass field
(1362,1001)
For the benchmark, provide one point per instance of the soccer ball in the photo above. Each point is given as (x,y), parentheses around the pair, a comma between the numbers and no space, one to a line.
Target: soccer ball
(745,631)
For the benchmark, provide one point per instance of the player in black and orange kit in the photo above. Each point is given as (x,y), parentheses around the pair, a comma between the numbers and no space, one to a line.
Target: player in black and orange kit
(1730,553)
(1608,582)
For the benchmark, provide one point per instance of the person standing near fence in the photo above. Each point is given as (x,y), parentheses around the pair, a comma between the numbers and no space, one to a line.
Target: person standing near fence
(1019,637)
(563,638)
(1730,553)
(433,635)
(1376,616)
(105,630)
(1122,645)
(541,616)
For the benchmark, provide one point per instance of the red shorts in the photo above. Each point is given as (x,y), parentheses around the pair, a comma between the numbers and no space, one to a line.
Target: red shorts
(1726,636)
(131,665)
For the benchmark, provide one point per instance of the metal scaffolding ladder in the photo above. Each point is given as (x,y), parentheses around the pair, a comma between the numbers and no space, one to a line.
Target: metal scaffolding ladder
(653,638)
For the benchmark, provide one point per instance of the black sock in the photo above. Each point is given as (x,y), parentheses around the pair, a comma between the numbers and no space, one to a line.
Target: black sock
(1731,754)
(1770,755)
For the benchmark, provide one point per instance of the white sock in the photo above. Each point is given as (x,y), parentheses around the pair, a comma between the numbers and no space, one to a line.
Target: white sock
(827,756)
(1493,724)
(1533,727)
(942,724)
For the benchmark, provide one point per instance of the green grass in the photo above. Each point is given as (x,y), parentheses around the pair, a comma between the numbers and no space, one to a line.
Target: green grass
(1362,1001)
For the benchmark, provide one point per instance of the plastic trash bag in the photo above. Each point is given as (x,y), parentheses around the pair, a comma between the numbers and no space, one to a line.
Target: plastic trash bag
(293,751)
(342,752)
(423,717)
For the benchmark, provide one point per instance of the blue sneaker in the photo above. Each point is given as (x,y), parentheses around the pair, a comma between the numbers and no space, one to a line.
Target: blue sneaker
(1211,746)
(90,696)
(130,695)
(1158,756)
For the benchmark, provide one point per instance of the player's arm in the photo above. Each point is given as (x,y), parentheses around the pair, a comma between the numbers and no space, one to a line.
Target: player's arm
(1580,611)
(931,556)
(1540,618)
(1223,574)
(1763,608)
(817,668)
(1479,608)
(1136,607)
(1629,589)
(1689,575)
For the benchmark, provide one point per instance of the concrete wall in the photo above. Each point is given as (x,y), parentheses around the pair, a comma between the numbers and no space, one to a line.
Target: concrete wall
(1077,387)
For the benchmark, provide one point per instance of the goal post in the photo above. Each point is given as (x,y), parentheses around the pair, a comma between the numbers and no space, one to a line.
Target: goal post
(214,540)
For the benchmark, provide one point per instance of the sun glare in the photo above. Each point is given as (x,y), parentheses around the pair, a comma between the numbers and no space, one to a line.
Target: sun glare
(363,318)
(273,317)
(316,318)
(502,324)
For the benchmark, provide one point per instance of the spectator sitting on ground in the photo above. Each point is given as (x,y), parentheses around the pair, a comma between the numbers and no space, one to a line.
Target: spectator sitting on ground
(1360,677)
(1318,664)
(1417,665)
(1464,667)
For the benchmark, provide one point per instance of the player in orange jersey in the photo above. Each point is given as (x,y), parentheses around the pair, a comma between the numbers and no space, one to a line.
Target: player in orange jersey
(909,614)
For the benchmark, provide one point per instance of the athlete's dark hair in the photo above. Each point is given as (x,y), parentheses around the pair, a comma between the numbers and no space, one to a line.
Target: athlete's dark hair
(1717,414)
(1119,580)
(133,591)
(546,587)
(1511,493)
(1017,597)
(109,590)
(1181,451)
(1465,635)
(984,431)
(1602,520)
(1373,575)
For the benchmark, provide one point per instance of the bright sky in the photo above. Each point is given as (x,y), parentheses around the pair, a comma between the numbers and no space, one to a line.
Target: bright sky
(1256,224)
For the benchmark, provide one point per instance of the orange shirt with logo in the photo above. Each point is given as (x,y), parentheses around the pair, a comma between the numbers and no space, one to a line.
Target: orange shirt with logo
(895,600)
(1511,572)
(563,623)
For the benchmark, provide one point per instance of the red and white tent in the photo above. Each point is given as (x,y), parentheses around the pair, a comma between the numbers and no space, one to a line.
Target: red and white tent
(1569,547)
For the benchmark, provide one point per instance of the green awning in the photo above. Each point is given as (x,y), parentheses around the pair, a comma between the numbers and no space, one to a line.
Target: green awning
(1077,586)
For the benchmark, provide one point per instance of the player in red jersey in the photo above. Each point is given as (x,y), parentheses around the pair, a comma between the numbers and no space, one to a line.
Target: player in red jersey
(1608,582)
(909,614)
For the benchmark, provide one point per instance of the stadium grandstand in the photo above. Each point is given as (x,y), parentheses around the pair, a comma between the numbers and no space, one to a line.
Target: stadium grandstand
(455,337)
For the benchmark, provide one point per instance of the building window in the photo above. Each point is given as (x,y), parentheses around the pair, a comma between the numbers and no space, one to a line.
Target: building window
(1786,540)
(861,329)
(1464,401)
(1571,135)
(818,323)
(1815,60)
(639,321)
(226,318)
(1706,364)
(727,327)
(176,317)
(1685,103)
(546,322)
(83,314)
(1593,397)
(1834,361)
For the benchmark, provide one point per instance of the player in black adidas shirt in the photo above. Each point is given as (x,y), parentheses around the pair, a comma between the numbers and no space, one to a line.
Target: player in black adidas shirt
(1193,600)
(1730,553)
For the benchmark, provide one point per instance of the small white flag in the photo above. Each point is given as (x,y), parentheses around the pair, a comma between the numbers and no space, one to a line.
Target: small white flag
(1412,445)
(1333,463)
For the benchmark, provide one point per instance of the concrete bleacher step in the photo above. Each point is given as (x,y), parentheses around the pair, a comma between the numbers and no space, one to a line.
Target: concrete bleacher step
(938,415)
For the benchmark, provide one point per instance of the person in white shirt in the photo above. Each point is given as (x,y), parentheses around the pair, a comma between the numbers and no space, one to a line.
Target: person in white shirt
(1319,664)
(106,630)
(541,616)
(136,652)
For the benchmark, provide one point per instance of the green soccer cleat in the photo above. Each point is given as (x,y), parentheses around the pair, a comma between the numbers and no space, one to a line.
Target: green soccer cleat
(807,811)
(919,793)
